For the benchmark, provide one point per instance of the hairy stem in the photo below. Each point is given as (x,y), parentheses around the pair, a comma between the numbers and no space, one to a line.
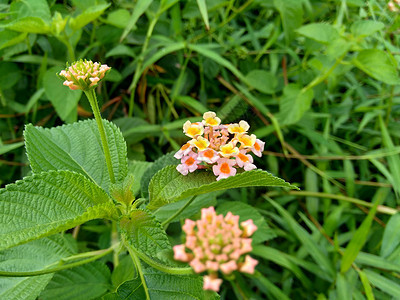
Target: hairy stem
(138,265)
(95,107)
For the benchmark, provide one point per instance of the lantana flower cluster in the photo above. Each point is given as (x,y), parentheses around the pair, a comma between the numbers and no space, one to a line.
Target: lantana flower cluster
(83,74)
(217,243)
(224,148)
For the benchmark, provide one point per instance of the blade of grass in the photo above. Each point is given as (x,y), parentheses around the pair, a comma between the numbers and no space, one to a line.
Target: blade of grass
(361,234)
(203,11)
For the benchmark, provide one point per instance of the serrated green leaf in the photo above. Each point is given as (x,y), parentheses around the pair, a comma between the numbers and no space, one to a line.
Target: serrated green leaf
(77,147)
(29,25)
(366,27)
(168,185)
(165,160)
(89,15)
(320,32)
(145,233)
(47,203)
(377,64)
(162,286)
(85,282)
(36,255)
(245,211)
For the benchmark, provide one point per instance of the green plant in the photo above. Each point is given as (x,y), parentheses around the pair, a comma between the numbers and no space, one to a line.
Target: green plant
(80,173)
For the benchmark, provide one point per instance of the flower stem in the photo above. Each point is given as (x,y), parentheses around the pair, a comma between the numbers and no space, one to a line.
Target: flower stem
(95,107)
(166,222)
(94,256)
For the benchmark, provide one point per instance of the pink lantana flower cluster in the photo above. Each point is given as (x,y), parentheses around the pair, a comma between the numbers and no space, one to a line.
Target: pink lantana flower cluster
(224,148)
(217,243)
(83,74)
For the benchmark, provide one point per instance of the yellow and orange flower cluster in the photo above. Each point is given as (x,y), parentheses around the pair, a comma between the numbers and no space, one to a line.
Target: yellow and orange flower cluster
(222,147)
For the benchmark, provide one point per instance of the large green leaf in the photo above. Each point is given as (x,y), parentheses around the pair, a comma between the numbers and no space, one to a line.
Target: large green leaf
(366,27)
(168,185)
(80,283)
(145,233)
(77,147)
(47,203)
(29,25)
(162,286)
(377,64)
(33,256)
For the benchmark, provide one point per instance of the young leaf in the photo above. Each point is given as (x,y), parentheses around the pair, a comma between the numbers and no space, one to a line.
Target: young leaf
(203,11)
(168,185)
(77,147)
(33,256)
(48,203)
(88,281)
(145,233)
(162,286)
(89,15)
(320,32)
(29,25)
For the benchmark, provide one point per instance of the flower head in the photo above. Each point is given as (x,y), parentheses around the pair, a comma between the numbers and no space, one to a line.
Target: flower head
(222,148)
(83,74)
(217,243)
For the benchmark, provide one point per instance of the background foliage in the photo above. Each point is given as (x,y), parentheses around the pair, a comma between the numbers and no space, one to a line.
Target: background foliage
(317,81)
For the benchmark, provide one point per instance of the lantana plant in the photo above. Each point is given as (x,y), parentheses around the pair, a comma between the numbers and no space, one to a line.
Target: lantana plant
(80,173)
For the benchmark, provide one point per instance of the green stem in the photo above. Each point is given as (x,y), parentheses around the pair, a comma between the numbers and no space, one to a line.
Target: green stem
(95,107)
(138,265)
(324,76)
(157,265)
(138,72)
(96,256)
(166,222)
